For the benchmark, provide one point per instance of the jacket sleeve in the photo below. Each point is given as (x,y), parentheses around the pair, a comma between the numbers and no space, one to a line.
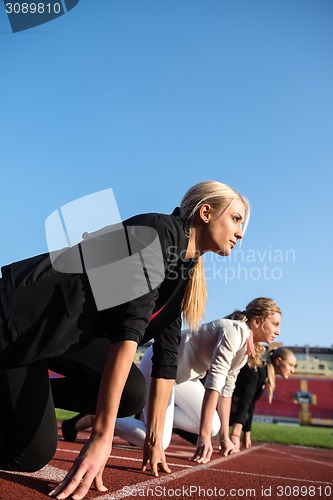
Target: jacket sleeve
(261,383)
(244,397)
(220,373)
(248,424)
(129,321)
(165,350)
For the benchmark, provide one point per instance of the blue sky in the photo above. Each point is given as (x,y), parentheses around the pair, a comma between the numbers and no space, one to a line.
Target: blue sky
(149,97)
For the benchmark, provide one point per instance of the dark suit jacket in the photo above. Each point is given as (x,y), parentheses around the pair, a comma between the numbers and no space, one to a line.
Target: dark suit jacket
(46,311)
(249,387)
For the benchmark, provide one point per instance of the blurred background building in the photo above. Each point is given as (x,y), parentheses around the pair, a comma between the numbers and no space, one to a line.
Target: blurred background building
(307,396)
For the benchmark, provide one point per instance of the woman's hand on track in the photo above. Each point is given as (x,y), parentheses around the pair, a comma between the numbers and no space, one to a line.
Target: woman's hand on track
(87,468)
(227,447)
(156,456)
(204,451)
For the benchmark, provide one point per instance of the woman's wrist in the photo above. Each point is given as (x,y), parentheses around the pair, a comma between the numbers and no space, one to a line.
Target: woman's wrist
(103,427)
(205,433)
(225,440)
(154,437)
(102,436)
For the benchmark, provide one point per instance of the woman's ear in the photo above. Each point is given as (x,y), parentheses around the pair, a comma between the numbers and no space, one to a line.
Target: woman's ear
(204,212)
(277,361)
(255,321)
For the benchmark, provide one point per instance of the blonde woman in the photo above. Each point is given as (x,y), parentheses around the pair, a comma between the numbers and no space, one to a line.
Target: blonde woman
(49,320)
(250,386)
(220,348)
(259,322)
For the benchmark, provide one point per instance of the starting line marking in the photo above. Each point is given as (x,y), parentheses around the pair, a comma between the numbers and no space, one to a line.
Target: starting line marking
(137,488)
(51,473)
(130,459)
(48,472)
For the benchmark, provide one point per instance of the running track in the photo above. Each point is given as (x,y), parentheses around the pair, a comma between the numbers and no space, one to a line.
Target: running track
(265,471)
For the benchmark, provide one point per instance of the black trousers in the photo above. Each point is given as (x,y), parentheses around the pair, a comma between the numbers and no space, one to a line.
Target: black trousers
(28,427)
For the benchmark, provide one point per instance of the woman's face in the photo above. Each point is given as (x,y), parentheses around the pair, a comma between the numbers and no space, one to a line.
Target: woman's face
(267,330)
(285,367)
(220,232)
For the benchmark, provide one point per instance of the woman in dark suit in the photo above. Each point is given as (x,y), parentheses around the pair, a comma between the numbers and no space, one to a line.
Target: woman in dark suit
(250,385)
(51,317)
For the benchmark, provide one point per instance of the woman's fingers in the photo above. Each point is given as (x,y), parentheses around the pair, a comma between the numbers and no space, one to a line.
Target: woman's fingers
(158,462)
(70,482)
(197,454)
(99,485)
(87,468)
(154,469)
(227,448)
(155,455)
(248,444)
(160,466)
(236,442)
(203,453)
(78,484)
(83,489)
(163,466)
(145,459)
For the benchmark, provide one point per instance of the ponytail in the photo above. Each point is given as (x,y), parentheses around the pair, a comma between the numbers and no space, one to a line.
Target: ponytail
(270,375)
(195,298)
(273,354)
(237,315)
(255,360)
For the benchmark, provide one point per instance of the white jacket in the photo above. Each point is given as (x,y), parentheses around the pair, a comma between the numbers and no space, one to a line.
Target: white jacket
(220,347)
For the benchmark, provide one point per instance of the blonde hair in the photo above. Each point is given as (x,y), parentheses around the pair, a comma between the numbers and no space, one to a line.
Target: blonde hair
(255,359)
(273,354)
(220,197)
(262,308)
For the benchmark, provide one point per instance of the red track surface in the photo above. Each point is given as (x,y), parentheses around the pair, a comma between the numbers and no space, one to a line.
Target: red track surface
(265,471)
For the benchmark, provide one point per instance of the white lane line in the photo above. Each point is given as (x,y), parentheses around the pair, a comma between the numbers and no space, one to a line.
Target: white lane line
(303,447)
(68,451)
(48,472)
(136,489)
(132,459)
(51,473)
(244,473)
(312,460)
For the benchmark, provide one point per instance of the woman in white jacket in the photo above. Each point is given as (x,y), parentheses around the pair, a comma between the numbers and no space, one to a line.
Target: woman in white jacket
(219,349)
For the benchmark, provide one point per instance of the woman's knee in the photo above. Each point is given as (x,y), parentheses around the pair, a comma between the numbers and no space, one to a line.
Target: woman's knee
(29,430)
(33,458)
(134,394)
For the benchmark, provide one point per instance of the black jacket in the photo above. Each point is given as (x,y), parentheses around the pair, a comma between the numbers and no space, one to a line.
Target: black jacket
(46,311)
(249,387)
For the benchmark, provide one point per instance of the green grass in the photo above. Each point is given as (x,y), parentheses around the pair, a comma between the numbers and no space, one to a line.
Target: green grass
(302,435)
(64,414)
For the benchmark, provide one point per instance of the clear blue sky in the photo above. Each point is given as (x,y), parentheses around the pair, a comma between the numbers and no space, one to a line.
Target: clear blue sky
(148,97)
